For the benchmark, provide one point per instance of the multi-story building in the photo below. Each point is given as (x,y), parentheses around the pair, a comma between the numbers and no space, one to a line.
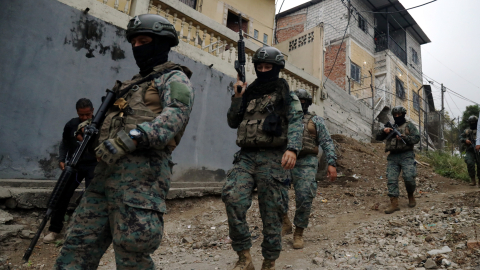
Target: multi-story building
(371,48)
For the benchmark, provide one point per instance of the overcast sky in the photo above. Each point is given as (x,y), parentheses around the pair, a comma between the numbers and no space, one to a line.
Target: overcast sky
(453,26)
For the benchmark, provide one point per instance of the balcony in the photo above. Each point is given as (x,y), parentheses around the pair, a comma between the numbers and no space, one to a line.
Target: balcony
(382,44)
(205,40)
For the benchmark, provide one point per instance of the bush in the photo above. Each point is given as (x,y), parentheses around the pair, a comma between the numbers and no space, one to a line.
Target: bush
(447,165)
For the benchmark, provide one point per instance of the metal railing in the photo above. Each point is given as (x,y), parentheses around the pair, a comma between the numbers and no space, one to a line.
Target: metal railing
(382,44)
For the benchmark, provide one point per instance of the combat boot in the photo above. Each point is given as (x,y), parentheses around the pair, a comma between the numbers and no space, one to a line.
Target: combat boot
(411,200)
(472,183)
(51,238)
(298,238)
(393,205)
(286,225)
(268,265)
(244,261)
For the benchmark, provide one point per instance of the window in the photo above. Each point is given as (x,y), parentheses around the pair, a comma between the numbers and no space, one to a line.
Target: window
(265,38)
(255,33)
(414,56)
(400,88)
(355,72)
(232,22)
(416,101)
(362,24)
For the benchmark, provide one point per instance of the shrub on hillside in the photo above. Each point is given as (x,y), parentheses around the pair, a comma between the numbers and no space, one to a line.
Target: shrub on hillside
(447,165)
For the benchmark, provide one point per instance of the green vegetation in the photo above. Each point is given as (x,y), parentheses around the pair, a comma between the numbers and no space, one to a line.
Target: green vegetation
(447,165)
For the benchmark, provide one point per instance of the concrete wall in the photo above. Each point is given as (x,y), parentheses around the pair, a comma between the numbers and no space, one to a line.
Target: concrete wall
(56,55)
(344,114)
(305,51)
(259,13)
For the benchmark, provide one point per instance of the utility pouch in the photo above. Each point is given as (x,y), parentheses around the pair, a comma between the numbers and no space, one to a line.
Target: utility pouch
(272,125)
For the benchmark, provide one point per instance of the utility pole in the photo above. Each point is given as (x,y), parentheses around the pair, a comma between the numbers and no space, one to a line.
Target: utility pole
(373,103)
(441,121)
(451,133)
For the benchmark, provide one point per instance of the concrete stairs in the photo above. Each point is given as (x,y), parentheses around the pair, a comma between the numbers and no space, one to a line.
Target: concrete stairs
(28,194)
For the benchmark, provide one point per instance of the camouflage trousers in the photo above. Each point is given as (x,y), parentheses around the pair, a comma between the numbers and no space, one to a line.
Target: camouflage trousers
(472,159)
(260,169)
(404,162)
(305,186)
(124,204)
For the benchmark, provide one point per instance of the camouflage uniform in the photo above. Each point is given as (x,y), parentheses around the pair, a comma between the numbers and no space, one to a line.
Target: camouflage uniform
(125,202)
(261,169)
(401,158)
(471,158)
(304,173)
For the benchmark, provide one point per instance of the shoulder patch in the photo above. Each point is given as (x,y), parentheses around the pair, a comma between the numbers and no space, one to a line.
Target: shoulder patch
(180,92)
(297,106)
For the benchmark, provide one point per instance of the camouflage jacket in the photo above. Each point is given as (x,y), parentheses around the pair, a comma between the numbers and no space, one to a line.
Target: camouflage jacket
(176,110)
(411,139)
(295,129)
(324,140)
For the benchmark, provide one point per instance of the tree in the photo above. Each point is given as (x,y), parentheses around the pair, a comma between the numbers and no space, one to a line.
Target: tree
(469,111)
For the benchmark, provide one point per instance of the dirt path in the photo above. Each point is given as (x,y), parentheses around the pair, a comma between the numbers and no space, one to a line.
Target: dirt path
(196,231)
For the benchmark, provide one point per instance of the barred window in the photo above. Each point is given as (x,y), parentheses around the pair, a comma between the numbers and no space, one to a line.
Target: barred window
(265,38)
(416,101)
(400,88)
(355,72)
(362,24)
(255,33)
(414,56)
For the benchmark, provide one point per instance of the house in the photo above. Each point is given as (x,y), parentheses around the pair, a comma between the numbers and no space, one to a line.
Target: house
(372,51)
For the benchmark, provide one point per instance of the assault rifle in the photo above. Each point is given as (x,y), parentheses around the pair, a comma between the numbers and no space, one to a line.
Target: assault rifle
(89,134)
(394,131)
(240,63)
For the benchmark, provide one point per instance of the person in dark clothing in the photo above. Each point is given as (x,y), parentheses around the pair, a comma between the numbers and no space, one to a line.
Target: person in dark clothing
(85,167)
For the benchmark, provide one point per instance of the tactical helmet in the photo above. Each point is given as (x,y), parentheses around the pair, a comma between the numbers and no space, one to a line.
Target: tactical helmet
(399,109)
(152,24)
(472,119)
(270,55)
(303,94)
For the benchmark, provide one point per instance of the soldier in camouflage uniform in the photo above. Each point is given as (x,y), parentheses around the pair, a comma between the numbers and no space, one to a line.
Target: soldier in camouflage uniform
(315,133)
(469,138)
(125,202)
(401,158)
(269,121)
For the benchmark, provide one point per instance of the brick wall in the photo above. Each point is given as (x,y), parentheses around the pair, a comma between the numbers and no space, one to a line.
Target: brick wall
(291,25)
(339,70)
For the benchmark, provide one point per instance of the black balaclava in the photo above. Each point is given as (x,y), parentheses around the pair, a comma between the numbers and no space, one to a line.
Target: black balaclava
(150,55)
(473,125)
(400,120)
(268,76)
(305,106)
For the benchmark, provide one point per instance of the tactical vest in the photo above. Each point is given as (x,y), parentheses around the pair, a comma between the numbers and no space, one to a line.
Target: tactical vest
(131,109)
(309,141)
(395,145)
(250,131)
(471,134)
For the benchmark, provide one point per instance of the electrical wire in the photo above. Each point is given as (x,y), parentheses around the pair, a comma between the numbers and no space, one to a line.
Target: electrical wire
(338,52)
(276,22)
(381,12)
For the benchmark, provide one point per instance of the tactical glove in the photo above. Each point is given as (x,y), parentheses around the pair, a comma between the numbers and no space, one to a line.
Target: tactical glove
(113,149)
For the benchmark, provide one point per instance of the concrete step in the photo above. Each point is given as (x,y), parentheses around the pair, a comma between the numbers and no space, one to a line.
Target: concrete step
(28,194)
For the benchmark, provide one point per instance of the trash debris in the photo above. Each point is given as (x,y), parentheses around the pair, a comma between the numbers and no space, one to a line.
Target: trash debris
(444,249)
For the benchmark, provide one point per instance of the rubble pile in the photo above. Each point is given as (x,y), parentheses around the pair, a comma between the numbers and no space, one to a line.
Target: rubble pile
(424,239)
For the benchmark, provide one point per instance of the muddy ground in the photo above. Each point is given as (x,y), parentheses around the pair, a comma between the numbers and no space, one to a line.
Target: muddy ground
(196,231)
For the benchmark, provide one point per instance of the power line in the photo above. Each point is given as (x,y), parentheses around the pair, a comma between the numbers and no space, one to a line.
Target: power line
(381,12)
(338,52)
